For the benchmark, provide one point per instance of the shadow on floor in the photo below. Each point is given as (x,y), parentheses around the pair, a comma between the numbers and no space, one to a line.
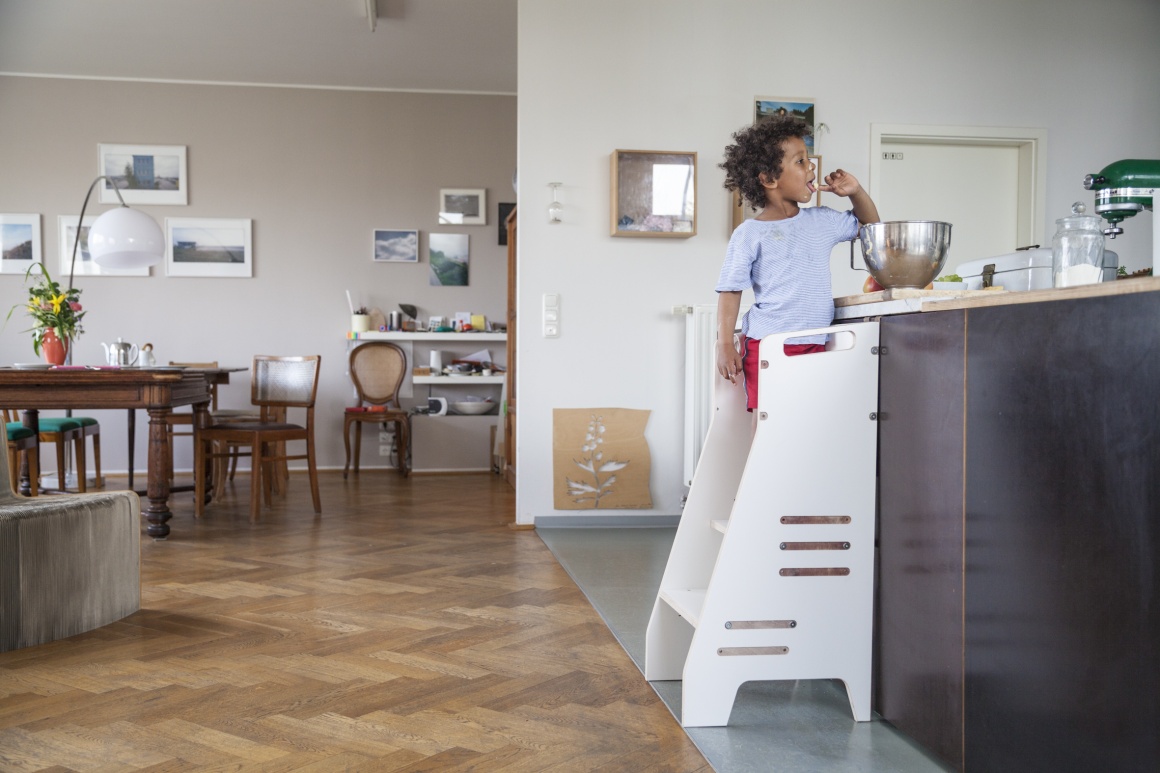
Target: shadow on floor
(790,727)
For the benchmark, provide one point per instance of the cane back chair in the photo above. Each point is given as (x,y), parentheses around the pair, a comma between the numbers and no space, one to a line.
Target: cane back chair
(377,369)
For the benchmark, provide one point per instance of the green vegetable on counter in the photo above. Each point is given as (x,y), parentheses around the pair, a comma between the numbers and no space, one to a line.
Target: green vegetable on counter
(949,278)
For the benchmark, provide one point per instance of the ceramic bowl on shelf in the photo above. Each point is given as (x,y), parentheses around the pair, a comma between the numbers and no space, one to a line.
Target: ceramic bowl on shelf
(473,407)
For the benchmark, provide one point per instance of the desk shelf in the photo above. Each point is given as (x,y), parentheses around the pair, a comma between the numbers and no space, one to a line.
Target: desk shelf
(398,335)
(453,442)
(456,380)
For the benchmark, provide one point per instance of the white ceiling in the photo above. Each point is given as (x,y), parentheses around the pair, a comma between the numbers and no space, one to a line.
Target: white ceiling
(423,45)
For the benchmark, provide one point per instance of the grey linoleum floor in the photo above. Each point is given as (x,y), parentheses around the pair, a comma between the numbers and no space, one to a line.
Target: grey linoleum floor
(787,727)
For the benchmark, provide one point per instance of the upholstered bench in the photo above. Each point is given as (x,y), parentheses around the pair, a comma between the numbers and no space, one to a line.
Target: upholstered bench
(68,564)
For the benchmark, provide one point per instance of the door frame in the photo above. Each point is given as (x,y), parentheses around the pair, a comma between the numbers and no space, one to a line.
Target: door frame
(1031,144)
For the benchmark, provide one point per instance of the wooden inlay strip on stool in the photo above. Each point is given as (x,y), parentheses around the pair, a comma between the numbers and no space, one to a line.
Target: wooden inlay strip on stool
(799,520)
(752,650)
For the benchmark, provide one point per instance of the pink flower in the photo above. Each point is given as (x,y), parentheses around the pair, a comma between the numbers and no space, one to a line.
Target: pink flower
(74,305)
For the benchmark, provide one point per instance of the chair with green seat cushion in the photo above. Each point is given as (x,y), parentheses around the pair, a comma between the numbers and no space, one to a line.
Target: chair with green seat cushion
(23,440)
(63,429)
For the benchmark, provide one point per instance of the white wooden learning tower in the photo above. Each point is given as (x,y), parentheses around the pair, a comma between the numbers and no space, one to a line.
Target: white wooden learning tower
(771,574)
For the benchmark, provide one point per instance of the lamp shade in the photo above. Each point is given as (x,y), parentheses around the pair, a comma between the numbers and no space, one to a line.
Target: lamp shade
(126,238)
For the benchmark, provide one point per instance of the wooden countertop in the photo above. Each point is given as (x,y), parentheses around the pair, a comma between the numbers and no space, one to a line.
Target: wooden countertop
(906,301)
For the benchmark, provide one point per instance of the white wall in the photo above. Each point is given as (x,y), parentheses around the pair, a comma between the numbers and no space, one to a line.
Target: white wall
(316,170)
(681,75)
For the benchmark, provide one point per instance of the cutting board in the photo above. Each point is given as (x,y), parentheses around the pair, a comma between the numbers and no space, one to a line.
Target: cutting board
(902,293)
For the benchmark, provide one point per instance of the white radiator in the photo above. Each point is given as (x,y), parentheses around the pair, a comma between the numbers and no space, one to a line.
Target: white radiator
(700,367)
(700,361)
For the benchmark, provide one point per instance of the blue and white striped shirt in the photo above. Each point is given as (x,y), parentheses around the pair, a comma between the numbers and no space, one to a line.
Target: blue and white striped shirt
(787,263)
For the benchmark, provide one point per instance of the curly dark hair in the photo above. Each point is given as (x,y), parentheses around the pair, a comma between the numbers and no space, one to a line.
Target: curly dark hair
(757,149)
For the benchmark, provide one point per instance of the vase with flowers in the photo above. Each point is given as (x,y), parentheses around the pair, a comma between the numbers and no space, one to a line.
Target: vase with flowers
(56,315)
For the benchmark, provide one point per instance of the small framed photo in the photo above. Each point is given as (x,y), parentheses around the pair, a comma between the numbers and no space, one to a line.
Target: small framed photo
(449,256)
(654,193)
(505,211)
(462,206)
(394,246)
(19,243)
(742,211)
(67,230)
(799,107)
(215,247)
(144,174)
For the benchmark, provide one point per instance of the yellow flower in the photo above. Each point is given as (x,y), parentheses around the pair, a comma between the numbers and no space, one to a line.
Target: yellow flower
(57,300)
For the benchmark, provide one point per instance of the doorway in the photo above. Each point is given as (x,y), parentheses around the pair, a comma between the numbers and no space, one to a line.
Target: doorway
(987,182)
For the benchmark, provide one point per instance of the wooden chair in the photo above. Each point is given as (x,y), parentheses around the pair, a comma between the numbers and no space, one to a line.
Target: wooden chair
(22,440)
(377,370)
(276,384)
(61,430)
(178,420)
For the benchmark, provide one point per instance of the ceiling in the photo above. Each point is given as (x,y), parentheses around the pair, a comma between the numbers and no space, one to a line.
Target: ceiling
(417,45)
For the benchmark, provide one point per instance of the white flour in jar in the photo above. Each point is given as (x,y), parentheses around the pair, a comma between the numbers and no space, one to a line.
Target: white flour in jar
(1073,276)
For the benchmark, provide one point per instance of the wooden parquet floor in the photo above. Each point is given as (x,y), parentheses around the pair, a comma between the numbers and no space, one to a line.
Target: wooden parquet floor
(406,629)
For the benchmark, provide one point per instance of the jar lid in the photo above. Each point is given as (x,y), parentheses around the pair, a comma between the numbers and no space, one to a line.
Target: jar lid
(1079,220)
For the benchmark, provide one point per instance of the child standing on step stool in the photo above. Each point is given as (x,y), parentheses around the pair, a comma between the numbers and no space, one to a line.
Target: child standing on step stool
(784,252)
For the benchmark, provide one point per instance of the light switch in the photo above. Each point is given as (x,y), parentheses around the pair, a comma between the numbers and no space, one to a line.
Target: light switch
(551,315)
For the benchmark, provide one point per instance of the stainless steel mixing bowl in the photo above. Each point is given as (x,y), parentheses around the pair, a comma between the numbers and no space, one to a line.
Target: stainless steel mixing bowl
(905,253)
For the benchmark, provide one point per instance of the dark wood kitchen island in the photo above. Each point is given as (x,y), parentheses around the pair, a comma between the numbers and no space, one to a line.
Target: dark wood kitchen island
(1018,605)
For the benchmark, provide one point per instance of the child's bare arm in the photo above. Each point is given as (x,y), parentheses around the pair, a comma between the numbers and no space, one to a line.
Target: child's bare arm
(728,358)
(845,184)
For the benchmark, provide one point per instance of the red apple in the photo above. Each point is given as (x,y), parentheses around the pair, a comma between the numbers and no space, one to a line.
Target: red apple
(871,285)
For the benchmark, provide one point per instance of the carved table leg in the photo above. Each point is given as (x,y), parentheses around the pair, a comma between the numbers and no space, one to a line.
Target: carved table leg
(201,420)
(31,420)
(157,510)
(131,421)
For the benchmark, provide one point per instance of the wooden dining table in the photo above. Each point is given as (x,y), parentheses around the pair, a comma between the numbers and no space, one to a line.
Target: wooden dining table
(156,390)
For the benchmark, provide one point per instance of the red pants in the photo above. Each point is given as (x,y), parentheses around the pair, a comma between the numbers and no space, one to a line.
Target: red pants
(751,364)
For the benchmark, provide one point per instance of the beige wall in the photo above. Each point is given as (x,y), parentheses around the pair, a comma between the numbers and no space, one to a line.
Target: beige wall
(316,170)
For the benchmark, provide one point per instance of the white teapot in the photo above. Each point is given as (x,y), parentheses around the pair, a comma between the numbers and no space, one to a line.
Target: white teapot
(121,353)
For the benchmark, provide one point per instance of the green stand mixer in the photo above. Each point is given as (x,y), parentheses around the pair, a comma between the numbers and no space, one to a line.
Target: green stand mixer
(1124,188)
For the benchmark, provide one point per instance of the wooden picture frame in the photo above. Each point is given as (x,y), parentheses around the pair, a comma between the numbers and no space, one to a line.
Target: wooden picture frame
(654,194)
(742,211)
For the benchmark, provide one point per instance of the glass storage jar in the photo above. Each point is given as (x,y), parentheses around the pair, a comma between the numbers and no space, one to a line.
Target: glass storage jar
(1077,249)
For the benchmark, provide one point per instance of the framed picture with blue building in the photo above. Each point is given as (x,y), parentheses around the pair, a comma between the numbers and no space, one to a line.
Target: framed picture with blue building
(144,174)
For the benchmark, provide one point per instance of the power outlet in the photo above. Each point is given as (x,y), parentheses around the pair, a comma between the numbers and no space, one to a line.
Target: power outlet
(385,436)
(384,450)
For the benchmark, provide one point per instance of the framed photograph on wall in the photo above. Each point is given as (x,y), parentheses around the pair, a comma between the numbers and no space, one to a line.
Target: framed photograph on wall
(216,247)
(67,233)
(463,206)
(654,193)
(799,107)
(395,246)
(19,243)
(505,209)
(742,211)
(144,174)
(449,255)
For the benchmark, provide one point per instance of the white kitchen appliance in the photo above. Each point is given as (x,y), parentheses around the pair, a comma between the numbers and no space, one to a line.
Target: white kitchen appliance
(1027,269)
